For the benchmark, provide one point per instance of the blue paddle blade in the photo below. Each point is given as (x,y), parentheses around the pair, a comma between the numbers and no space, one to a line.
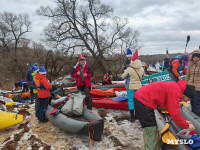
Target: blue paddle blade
(120,98)
(57,112)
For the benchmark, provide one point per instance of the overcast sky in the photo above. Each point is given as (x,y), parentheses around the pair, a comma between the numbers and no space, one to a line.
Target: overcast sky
(162,23)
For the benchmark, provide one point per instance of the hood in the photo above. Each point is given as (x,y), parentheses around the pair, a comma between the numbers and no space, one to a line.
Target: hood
(136,64)
(182,85)
(39,76)
(195,51)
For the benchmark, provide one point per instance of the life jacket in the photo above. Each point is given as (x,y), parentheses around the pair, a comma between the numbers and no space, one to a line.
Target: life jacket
(38,85)
(172,62)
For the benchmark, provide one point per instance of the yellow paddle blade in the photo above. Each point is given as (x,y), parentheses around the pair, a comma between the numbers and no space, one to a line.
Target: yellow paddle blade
(184,103)
(164,111)
(165,128)
(169,138)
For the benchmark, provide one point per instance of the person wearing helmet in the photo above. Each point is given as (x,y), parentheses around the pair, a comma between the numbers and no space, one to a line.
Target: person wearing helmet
(177,64)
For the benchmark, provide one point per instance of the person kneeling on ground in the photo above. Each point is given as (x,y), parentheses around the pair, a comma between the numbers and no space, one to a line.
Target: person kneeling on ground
(107,79)
(166,95)
(83,73)
(22,84)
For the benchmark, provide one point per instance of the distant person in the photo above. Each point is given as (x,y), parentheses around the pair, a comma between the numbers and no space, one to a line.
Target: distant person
(166,95)
(166,62)
(177,64)
(83,73)
(133,75)
(193,78)
(43,86)
(127,62)
(29,78)
(107,79)
(22,84)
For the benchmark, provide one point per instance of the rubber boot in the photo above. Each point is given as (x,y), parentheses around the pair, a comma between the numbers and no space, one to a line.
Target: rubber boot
(151,138)
(132,114)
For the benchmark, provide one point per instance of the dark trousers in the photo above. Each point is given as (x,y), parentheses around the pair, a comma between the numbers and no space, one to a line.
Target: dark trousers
(196,104)
(108,82)
(42,107)
(31,92)
(144,114)
(88,99)
(173,76)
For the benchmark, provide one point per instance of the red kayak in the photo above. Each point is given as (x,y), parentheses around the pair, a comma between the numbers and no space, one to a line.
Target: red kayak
(110,103)
(105,93)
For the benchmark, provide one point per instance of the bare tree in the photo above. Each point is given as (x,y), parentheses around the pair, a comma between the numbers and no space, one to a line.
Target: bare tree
(13,29)
(87,28)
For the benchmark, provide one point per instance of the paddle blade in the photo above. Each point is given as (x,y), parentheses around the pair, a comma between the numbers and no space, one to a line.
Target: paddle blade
(165,128)
(120,98)
(169,138)
(54,111)
(188,38)
(57,112)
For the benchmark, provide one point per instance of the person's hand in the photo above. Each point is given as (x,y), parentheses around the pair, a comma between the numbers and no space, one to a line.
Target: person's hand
(78,73)
(179,77)
(191,126)
(85,75)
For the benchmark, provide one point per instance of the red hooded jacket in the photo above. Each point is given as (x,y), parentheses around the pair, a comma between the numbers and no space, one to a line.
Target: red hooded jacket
(43,86)
(166,95)
(86,70)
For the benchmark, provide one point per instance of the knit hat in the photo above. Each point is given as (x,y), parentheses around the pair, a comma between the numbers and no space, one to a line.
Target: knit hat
(135,56)
(184,57)
(42,70)
(189,91)
(129,53)
(195,54)
(82,57)
(35,68)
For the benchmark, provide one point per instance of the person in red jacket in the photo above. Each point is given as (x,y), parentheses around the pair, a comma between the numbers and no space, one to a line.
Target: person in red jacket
(83,73)
(43,86)
(166,95)
(107,79)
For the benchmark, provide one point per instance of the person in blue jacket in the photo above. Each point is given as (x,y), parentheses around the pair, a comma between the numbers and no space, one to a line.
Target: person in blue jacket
(22,84)
(29,78)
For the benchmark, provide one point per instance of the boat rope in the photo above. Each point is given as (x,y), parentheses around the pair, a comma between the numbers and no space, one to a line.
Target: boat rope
(91,136)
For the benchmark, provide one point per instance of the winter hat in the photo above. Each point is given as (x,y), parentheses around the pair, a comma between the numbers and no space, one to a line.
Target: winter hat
(42,70)
(195,54)
(184,57)
(135,56)
(189,91)
(129,53)
(81,57)
(35,68)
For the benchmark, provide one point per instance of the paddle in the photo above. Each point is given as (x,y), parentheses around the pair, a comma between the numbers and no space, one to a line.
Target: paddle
(166,134)
(56,111)
(120,98)
(188,39)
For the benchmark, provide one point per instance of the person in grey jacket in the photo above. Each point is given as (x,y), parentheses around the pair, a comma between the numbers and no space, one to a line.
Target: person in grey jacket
(128,60)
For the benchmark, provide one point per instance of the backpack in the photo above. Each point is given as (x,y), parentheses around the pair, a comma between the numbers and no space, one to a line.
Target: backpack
(176,57)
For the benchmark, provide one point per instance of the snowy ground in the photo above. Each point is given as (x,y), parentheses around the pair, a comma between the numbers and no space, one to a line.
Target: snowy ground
(119,133)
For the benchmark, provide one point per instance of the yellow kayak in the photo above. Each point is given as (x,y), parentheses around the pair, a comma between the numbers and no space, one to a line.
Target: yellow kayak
(9,119)
(10,103)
